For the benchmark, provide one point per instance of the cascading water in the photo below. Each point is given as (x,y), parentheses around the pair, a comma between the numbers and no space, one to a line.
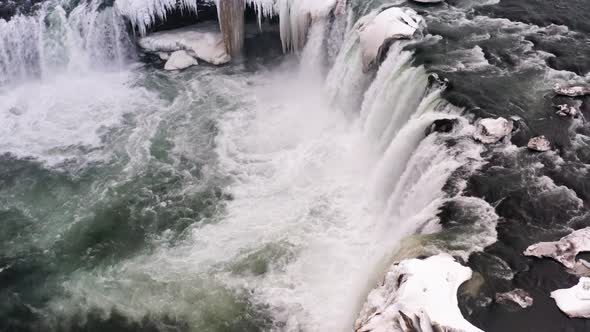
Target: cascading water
(217,198)
(54,40)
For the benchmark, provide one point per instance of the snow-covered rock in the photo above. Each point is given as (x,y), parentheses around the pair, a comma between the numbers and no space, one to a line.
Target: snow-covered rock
(204,42)
(565,250)
(391,24)
(417,295)
(575,301)
(180,60)
(492,130)
(164,55)
(539,144)
(517,296)
(567,110)
(429,1)
(573,91)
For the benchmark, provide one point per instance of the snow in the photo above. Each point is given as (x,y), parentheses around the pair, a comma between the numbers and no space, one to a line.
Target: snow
(417,295)
(392,23)
(492,130)
(180,60)
(575,301)
(143,13)
(539,144)
(200,41)
(565,250)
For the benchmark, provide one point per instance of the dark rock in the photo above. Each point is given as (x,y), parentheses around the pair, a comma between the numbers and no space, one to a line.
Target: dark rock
(441,126)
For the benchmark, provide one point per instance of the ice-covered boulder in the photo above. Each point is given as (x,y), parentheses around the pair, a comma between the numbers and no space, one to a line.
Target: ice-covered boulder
(567,110)
(444,125)
(492,130)
(180,60)
(204,42)
(575,301)
(572,91)
(417,295)
(539,144)
(517,296)
(377,33)
(565,250)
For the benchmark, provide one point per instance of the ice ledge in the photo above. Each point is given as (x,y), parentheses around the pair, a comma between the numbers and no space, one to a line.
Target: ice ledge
(417,295)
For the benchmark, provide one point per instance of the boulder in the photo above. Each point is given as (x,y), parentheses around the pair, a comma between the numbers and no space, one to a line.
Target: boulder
(539,144)
(517,296)
(377,32)
(492,130)
(565,250)
(417,295)
(164,56)
(441,126)
(435,82)
(180,60)
(575,301)
(204,42)
(567,110)
(572,91)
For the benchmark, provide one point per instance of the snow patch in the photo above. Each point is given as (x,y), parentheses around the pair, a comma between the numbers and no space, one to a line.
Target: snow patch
(202,42)
(575,301)
(391,24)
(417,295)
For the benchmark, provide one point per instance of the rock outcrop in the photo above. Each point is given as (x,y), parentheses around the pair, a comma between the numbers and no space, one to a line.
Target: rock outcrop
(573,91)
(204,42)
(490,131)
(417,295)
(517,296)
(539,144)
(565,250)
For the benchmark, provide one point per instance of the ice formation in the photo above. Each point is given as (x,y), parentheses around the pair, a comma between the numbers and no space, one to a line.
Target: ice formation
(575,301)
(143,13)
(202,42)
(180,60)
(391,24)
(492,130)
(565,250)
(574,91)
(417,295)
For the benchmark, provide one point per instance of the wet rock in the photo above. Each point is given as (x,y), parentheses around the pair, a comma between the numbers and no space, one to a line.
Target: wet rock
(517,296)
(539,144)
(492,130)
(377,34)
(442,126)
(437,82)
(565,251)
(180,60)
(573,91)
(575,301)
(567,110)
(417,295)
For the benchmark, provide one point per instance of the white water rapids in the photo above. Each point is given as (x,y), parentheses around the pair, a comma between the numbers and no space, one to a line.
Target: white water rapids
(320,197)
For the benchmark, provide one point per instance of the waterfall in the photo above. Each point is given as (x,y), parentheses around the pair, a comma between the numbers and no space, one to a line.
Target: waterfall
(54,40)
